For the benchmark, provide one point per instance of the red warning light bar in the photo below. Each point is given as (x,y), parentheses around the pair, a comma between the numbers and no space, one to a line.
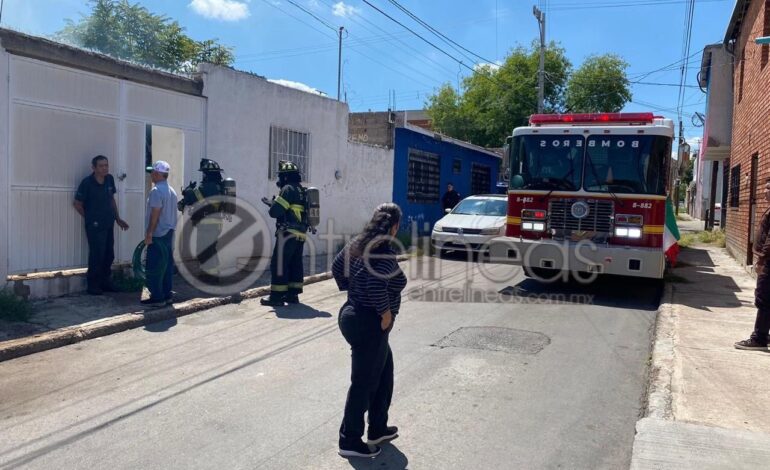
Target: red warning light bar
(596,118)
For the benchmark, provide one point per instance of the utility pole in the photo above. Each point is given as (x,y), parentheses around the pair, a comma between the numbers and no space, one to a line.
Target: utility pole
(1,11)
(541,69)
(339,64)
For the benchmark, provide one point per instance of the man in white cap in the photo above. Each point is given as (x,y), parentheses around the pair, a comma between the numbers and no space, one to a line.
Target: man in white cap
(160,223)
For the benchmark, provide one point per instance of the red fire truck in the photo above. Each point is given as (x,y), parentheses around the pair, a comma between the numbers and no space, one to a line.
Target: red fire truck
(587,195)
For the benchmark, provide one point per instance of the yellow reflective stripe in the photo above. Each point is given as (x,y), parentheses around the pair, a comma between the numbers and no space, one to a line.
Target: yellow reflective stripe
(279,287)
(297,233)
(653,229)
(211,221)
(198,194)
(298,207)
(514,220)
(282,202)
(296,285)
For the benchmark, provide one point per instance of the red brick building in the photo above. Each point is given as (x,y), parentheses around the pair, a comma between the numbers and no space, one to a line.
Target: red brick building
(749,164)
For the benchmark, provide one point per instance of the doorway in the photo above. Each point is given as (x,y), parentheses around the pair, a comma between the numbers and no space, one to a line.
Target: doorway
(167,144)
(752,208)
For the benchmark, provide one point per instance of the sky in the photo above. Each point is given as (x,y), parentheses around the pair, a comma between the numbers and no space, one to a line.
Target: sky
(295,41)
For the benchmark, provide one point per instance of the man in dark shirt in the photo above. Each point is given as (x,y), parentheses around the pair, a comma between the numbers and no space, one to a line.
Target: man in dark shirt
(451,198)
(95,201)
(761,249)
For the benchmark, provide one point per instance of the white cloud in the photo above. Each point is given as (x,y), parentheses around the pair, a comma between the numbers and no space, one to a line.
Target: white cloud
(493,67)
(225,10)
(296,86)
(344,11)
(314,4)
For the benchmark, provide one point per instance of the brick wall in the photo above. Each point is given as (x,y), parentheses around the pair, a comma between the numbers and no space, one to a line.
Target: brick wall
(751,125)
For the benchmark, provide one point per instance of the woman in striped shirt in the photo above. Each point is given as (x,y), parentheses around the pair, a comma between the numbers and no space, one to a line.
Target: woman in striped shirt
(368,270)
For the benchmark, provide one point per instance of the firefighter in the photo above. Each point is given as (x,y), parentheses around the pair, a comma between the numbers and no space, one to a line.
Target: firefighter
(207,219)
(289,210)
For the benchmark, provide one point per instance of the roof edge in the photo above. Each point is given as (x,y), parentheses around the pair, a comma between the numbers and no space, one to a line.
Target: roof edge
(46,50)
(736,20)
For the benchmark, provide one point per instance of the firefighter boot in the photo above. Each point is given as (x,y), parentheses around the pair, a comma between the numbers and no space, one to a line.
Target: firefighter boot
(272,301)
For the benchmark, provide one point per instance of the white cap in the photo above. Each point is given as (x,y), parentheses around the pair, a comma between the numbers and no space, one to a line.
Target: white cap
(160,166)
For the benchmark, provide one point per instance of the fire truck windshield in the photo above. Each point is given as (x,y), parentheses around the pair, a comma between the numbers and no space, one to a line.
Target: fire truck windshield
(547,162)
(626,163)
(599,163)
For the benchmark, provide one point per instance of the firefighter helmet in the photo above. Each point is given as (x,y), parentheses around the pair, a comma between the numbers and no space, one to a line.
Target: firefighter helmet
(209,165)
(285,167)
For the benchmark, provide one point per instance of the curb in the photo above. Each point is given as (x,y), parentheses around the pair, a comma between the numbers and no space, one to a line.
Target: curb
(75,334)
(661,374)
(127,321)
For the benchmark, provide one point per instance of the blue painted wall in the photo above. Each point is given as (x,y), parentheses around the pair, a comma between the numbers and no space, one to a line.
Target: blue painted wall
(421,213)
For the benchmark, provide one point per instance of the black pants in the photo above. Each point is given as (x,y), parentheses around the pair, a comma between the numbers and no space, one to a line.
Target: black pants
(762,301)
(286,269)
(101,254)
(371,378)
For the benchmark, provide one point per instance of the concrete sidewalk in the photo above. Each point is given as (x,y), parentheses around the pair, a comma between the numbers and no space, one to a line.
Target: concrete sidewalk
(66,320)
(709,403)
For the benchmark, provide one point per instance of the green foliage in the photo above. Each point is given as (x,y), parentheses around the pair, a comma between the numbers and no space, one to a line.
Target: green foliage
(707,237)
(494,100)
(131,32)
(599,85)
(13,308)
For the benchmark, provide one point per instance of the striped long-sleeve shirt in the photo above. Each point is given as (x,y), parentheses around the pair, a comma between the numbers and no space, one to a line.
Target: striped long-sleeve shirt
(376,284)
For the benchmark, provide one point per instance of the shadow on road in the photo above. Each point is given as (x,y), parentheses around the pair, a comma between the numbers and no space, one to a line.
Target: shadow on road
(300,312)
(617,292)
(161,326)
(391,458)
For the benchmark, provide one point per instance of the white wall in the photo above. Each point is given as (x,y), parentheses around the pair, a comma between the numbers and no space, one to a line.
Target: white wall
(60,118)
(168,145)
(4,180)
(241,109)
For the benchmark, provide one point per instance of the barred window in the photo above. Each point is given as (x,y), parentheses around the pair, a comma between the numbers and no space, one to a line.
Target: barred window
(291,145)
(423,177)
(481,179)
(735,186)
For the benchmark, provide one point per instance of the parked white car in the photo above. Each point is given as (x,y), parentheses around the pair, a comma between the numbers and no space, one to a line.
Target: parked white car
(471,224)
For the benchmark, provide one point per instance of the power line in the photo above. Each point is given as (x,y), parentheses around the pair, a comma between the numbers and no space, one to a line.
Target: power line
(437,65)
(418,35)
(298,19)
(588,6)
(439,34)
(313,15)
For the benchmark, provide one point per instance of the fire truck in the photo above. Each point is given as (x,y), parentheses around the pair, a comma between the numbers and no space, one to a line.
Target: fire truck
(587,195)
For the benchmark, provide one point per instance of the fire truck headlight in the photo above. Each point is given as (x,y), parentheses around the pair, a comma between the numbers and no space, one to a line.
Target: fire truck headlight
(634,233)
(526,226)
(538,226)
(621,232)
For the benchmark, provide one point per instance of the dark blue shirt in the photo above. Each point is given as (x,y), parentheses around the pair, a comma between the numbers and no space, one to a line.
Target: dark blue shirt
(97,202)
(374,284)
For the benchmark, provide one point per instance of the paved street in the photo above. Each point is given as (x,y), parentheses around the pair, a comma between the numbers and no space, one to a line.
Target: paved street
(513,382)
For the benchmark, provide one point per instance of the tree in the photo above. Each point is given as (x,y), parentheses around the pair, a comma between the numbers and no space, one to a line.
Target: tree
(495,99)
(599,85)
(131,32)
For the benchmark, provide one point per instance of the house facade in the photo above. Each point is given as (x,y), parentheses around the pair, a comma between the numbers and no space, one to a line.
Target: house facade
(749,147)
(60,106)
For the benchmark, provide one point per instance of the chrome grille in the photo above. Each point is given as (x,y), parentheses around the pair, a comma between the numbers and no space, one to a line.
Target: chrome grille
(599,218)
(466,231)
